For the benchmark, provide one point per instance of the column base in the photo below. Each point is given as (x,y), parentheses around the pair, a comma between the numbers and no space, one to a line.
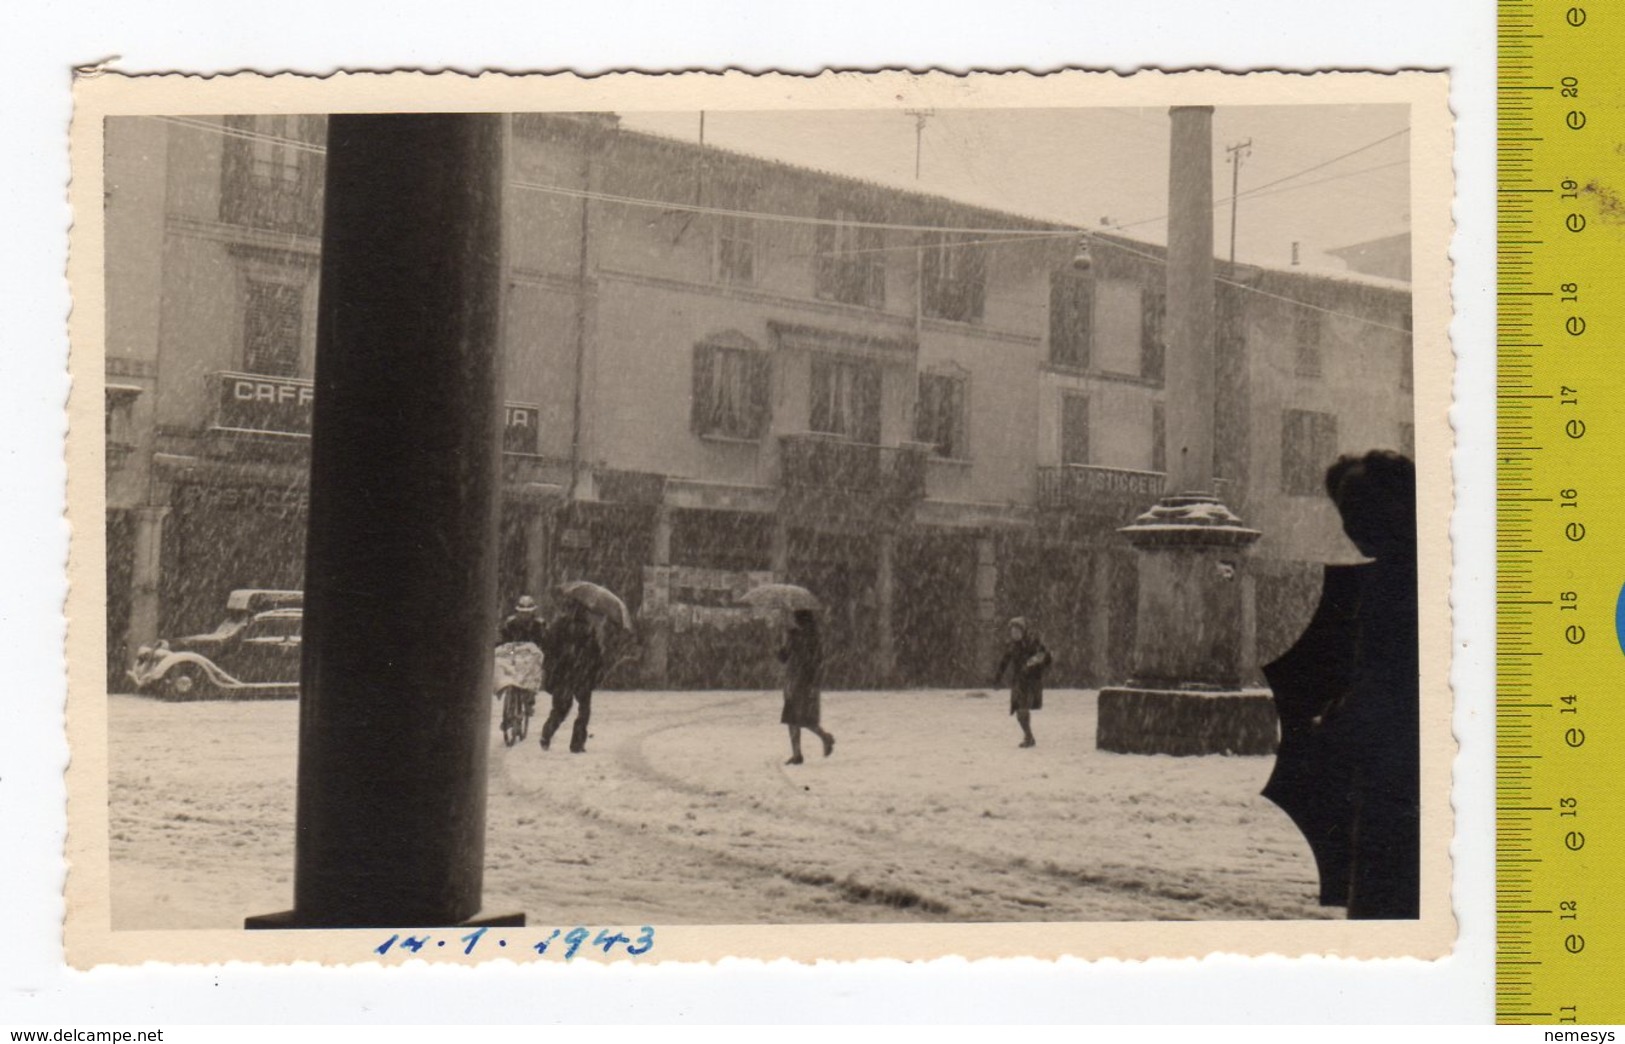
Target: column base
(1186,722)
(289,919)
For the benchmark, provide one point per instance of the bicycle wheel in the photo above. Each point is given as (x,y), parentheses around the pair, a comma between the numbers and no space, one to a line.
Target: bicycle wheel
(513,717)
(525,707)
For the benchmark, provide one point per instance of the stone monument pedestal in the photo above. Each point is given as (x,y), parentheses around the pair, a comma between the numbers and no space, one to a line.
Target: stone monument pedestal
(1185,696)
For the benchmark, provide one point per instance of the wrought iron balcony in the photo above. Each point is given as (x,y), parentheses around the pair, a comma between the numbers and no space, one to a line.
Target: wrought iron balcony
(814,462)
(1085,489)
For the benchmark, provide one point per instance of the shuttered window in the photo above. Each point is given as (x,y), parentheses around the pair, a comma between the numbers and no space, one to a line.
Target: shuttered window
(731,392)
(1306,343)
(939,415)
(273,317)
(735,236)
(953,270)
(1074,429)
(1308,448)
(1153,338)
(845,398)
(1071,314)
(851,262)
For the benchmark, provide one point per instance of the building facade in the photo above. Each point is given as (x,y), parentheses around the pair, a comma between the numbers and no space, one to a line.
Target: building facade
(721,370)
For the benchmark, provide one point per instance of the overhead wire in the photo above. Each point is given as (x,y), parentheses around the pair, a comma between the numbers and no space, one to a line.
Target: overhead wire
(1006,235)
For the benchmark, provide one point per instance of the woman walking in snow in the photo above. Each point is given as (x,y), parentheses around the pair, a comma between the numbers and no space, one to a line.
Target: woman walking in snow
(804,663)
(1027,659)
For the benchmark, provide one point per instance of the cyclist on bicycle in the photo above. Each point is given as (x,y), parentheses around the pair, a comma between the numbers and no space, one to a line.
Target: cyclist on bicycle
(524,626)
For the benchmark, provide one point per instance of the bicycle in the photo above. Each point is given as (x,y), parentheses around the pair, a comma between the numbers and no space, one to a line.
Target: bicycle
(517,706)
(517,676)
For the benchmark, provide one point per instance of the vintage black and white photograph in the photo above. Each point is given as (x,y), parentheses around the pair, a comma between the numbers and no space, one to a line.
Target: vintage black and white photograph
(926,508)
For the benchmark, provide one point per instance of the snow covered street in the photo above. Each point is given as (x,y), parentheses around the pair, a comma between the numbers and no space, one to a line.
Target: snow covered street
(682,811)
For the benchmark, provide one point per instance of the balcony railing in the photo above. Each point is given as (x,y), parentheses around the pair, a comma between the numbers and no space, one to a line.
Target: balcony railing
(829,463)
(1090,490)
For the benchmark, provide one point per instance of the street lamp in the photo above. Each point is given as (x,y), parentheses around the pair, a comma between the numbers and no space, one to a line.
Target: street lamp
(1084,259)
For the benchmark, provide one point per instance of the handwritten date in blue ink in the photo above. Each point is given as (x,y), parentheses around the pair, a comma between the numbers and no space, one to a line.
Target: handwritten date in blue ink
(559,943)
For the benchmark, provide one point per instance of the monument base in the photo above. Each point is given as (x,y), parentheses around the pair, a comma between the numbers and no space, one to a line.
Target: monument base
(1186,722)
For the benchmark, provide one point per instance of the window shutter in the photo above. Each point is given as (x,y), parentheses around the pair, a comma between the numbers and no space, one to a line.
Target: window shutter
(875,270)
(761,392)
(1153,317)
(1325,444)
(824,262)
(959,410)
(868,395)
(923,410)
(1159,437)
(1074,429)
(1071,317)
(975,281)
(235,190)
(931,276)
(700,400)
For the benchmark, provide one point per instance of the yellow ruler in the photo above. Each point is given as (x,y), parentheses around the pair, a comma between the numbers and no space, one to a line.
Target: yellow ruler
(1560,540)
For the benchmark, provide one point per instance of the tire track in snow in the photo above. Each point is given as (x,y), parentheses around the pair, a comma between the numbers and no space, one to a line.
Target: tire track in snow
(629,754)
(1179,898)
(891,848)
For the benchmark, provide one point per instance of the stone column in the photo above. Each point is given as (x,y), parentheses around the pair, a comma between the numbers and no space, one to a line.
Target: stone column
(1188,370)
(885,640)
(657,644)
(1184,696)
(144,575)
(401,559)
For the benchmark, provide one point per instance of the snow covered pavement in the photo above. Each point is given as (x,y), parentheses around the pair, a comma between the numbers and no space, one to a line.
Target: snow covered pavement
(682,811)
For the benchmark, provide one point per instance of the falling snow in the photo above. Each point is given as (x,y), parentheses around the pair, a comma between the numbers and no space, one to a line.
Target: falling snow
(682,811)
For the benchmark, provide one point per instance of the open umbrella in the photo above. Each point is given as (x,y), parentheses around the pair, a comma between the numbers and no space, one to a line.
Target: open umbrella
(1311,782)
(780,596)
(600,600)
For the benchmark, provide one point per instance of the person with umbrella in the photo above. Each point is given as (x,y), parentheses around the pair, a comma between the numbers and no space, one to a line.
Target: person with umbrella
(804,663)
(1026,659)
(573,664)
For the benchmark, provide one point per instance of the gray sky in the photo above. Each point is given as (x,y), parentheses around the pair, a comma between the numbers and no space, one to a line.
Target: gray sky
(1082,165)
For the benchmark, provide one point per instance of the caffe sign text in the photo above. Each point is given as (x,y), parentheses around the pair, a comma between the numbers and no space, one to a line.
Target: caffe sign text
(248,402)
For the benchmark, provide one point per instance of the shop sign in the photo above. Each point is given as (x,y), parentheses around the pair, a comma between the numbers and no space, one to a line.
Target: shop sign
(281,501)
(282,405)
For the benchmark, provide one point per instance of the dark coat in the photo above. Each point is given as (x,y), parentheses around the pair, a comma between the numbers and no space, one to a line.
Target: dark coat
(574,663)
(1026,682)
(523,627)
(803,678)
(1348,767)
(1378,728)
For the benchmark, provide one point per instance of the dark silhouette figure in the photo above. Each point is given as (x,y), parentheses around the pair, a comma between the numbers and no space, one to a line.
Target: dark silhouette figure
(803,659)
(1349,766)
(1026,659)
(572,668)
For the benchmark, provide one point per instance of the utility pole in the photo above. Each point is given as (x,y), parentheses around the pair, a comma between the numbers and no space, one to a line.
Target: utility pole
(1235,155)
(920,116)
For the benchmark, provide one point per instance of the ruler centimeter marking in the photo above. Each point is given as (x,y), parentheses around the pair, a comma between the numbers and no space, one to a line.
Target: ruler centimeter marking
(1560,513)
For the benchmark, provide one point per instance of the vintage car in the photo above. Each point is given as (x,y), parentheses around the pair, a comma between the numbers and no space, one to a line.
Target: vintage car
(252,654)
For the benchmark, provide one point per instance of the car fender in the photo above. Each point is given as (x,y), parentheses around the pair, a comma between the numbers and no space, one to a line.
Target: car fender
(156,672)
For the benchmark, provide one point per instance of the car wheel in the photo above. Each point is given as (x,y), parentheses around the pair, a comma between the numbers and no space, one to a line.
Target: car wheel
(184,682)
